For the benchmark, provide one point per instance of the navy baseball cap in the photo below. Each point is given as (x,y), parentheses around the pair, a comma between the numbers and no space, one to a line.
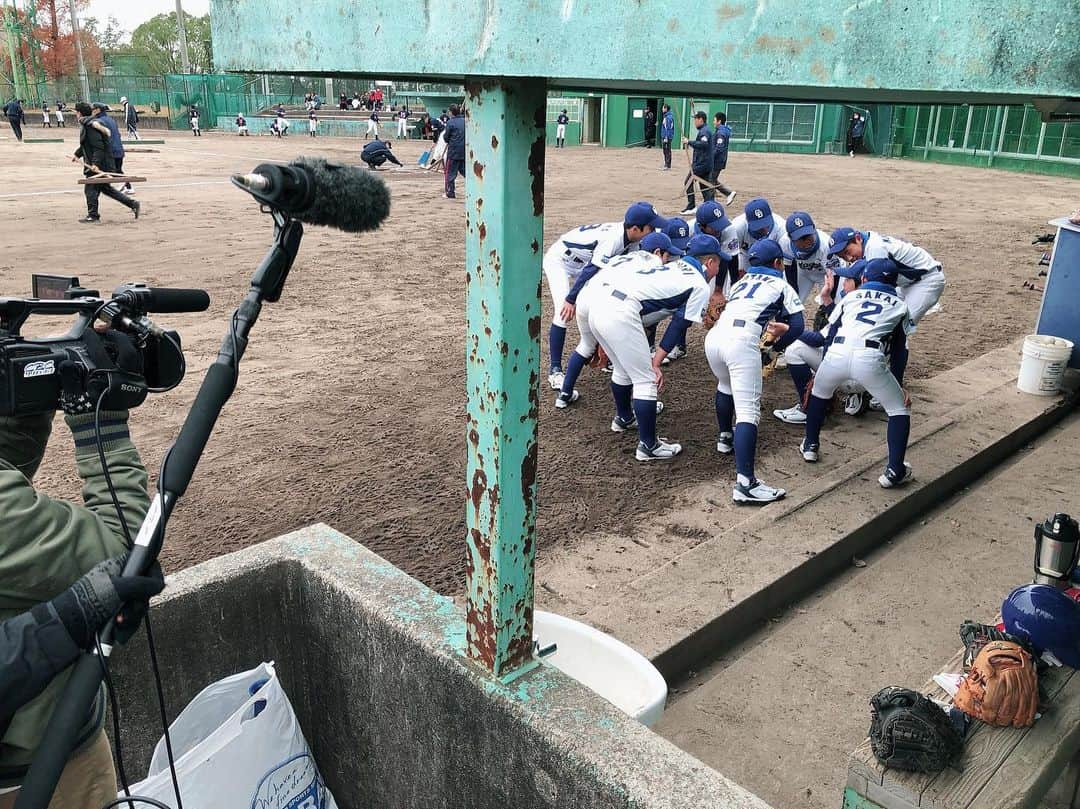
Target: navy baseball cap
(641,214)
(758,215)
(658,241)
(764,252)
(881,270)
(704,245)
(800,224)
(841,238)
(679,232)
(711,214)
(853,271)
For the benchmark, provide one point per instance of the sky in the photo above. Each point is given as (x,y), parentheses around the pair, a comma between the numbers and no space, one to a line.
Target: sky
(131,14)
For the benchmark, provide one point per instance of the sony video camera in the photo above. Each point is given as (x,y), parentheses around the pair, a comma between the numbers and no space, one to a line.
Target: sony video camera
(30,379)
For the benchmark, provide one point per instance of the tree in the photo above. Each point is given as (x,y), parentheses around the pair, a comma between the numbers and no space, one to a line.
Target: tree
(158,41)
(111,39)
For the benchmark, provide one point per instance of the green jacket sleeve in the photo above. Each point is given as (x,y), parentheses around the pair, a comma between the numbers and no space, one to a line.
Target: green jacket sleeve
(47,543)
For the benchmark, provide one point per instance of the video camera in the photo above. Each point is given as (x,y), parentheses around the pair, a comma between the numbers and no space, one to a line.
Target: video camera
(30,380)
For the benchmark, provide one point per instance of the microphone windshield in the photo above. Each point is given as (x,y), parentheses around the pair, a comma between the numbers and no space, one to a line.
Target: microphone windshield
(346,197)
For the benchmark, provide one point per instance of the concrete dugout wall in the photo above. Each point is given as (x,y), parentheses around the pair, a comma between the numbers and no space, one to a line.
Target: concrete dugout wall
(395,714)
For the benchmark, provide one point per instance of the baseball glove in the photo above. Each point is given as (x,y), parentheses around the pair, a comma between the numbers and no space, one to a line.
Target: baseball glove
(598,359)
(821,319)
(768,356)
(910,732)
(714,309)
(1001,688)
(975,636)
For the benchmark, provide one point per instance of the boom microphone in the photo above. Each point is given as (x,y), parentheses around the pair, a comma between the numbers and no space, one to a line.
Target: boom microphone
(149,299)
(319,193)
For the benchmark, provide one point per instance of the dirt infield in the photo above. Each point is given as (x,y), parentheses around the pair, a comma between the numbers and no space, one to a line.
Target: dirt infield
(350,407)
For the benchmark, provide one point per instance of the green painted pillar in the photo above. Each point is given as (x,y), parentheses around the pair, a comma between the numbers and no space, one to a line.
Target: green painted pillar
(504,181)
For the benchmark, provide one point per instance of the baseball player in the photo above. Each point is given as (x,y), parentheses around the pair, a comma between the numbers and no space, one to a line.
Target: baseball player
(560,130)
(757,221)
(626,295)
(804,355)
(732,350)
(241,125)
(45,115)
(866,325)
(575,258)
(312,123)
(403,122)
(711,220)
(806,254)
(193,118)
(920,277)
(372,125)
(60,113)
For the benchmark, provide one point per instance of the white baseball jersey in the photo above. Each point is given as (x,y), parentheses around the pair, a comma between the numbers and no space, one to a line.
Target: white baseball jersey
(589,244)
(758,297)
(661,289)
(870,314)
(740,228)
(811,269)
(914,262)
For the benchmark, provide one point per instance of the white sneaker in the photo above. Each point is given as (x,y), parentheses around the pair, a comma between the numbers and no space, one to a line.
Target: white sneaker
(564,400)
(855,404)
(756,492)
(663,451)
(731,197)
(793,415)
(809,451)
(876,405)
(607,369)
(725,443)
(688,211)
(555,379)
(620,426)
(891,480)
(676,353)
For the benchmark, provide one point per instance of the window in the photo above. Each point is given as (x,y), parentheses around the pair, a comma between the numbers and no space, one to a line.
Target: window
(777,123)
(573,107)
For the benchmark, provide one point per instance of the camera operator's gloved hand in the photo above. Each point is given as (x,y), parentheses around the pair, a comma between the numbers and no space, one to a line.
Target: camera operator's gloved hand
(86,606)
(126,386)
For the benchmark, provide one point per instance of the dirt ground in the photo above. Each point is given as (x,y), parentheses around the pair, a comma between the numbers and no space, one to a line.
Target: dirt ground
(350,406)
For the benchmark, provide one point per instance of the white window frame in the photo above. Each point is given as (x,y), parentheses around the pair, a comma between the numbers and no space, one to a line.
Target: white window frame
(574,108)
(809,141)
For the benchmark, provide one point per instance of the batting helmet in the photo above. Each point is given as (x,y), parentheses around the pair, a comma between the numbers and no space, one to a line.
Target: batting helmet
(1045,617)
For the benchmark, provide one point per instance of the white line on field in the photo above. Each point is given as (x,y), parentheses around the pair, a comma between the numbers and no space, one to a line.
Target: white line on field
(79,190)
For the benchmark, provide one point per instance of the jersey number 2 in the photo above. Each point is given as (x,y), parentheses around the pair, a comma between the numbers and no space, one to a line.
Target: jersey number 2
(869,310)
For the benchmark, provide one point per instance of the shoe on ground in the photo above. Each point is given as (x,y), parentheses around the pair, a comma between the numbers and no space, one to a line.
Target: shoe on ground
(663,451)
(90,220)
(688,210)
(793,415)
(725,443)
(676,353)
(135,208)
(564,400)
(129,190)
(555,379)
(756,492)
(607,369)
(809,451)
(620,426)
(876,406)
(891,479)
(731,197)
(855,404)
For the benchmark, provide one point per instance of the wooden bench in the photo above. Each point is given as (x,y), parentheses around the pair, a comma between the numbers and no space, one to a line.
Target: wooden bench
(1003,768)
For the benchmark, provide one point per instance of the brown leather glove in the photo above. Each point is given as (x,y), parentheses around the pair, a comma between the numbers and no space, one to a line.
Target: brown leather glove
(1001,688)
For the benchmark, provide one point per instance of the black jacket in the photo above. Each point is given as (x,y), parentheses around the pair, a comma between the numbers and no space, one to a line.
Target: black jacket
(455,138)
(94,147)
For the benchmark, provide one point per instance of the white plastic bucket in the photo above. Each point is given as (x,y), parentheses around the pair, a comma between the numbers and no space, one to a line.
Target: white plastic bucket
(1043,364)
(608,666)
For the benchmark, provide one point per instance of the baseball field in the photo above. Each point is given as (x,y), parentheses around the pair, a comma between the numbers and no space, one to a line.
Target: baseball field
(350,406)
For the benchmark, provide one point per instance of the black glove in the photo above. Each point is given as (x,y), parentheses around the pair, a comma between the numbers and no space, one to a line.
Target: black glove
(119,371)
(86,606)
(910,732)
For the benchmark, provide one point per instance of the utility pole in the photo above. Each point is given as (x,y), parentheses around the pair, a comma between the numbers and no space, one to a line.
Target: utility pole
(84,82)
(10,22)
(180,27)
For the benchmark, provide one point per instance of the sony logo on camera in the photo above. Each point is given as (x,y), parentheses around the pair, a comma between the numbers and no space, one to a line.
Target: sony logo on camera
(43,368)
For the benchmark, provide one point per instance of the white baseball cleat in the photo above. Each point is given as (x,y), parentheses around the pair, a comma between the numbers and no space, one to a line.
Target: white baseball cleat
(731,197)
(676,353)
(756,492)
(725,443)
(564,400)
(663,451)
(555,379)
(620,426)
(891,480)
(809,451)
(793,415)
(688,211)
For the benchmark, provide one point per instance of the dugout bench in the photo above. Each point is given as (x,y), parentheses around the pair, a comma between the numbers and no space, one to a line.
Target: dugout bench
(1002,768)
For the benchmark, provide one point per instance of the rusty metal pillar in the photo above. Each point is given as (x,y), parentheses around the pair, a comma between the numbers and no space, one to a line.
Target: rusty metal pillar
(504,181)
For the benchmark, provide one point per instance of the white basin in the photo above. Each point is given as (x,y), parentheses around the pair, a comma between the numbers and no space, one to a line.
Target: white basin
(608,666)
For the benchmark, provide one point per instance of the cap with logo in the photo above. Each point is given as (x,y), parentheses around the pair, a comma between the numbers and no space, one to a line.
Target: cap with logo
(799,225)
(758,216)
(678,231)
(711,215)
(764,252)
(641,214)
(841,238)
(658,241)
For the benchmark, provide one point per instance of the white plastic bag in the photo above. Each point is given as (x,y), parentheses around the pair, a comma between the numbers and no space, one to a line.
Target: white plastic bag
(238,745)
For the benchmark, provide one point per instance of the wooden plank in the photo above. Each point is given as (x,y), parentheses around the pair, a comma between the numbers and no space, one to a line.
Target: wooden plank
(108,179)
(136,142)
(863,764)
(854,800)
(153,151)
(43,140)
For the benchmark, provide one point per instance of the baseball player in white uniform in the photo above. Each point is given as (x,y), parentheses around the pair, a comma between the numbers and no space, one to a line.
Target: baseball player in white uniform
(631,292)
(757,221)
(731,348)
(806,254)
(805,354)
(575,257)
(921,279)
(866,325)
(711,220)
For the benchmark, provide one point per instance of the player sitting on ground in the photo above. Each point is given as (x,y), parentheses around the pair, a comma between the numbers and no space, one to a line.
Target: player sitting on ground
(920,279)
(866,325)
(575,258)
(732,350)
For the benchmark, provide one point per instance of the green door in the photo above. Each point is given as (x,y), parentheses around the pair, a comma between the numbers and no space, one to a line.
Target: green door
(635,121)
